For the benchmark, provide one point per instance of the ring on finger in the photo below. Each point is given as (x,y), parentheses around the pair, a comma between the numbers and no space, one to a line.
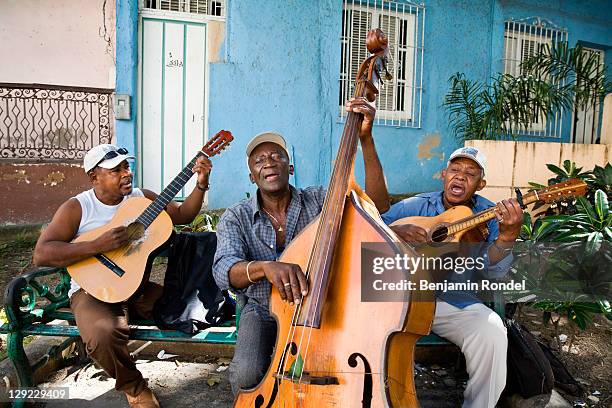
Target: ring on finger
(287,284)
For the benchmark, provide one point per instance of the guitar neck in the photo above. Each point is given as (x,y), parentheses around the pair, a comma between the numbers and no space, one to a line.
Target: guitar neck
(168,194)
(472,221)
(484,216)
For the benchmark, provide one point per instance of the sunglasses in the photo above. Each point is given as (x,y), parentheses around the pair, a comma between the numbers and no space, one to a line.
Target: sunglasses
(112,154)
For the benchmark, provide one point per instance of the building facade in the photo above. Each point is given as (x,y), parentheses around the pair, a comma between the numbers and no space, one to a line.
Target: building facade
(188,68)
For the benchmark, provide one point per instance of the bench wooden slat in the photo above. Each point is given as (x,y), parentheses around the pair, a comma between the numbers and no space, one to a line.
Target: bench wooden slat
(221,336)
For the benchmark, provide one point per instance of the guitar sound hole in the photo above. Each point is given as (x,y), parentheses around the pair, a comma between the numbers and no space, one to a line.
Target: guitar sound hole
(135,231)
(440,234)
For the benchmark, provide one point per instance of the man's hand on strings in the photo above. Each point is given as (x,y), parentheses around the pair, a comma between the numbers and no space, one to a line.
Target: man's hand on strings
(288,279)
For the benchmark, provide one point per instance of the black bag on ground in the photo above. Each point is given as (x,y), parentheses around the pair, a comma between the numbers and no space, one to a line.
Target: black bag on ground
(191,299)
(563,378)
(529,371)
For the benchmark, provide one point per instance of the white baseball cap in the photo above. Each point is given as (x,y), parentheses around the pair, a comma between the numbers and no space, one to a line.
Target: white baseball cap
(263,138)
(470,153)
(107,156)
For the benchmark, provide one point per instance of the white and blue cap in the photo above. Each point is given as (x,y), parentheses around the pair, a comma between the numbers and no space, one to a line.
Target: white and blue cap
(471,153)
(107,156)
(265,137)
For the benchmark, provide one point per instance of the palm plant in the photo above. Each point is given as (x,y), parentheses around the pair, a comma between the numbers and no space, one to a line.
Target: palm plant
(566,254)
(551,80)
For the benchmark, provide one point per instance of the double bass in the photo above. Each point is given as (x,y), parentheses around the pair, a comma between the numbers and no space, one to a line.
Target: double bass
(333,349)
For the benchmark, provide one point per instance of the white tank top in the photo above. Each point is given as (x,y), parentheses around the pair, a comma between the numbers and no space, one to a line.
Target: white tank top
(94,214)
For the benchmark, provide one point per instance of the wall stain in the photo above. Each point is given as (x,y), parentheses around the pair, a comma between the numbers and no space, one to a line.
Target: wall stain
(430,142)
(437,175)
(53,179)
(18,175)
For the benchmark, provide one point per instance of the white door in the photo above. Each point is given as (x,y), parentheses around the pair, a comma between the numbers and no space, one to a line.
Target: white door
(172,102)
(586,119)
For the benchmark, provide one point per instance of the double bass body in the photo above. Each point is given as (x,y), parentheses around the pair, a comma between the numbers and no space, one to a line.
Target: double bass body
(361,349)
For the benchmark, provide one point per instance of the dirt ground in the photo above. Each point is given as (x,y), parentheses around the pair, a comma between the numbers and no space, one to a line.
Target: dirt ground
(439,385)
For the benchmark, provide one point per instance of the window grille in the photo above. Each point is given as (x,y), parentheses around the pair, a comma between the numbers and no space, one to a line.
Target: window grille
(52,122)
(585,122)
(399,100)
(523,39)
(208,7)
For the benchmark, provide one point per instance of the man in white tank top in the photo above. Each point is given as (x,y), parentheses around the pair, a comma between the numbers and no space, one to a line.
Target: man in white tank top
(104,326)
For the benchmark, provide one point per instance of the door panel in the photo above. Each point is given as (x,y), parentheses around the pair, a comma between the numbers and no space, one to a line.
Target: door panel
(172,107)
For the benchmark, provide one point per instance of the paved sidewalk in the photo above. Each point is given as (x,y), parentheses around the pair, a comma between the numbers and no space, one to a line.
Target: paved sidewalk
(179,384)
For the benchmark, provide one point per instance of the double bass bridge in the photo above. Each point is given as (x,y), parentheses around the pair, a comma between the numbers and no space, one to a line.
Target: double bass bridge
(307,379)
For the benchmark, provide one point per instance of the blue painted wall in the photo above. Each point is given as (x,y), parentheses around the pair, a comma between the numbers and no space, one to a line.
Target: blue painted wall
(126,68)
(280,72)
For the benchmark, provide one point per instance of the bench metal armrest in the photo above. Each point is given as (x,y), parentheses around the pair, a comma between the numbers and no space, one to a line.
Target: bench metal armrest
(23,293)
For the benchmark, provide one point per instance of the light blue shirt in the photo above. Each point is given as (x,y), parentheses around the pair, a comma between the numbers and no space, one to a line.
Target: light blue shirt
(430,205)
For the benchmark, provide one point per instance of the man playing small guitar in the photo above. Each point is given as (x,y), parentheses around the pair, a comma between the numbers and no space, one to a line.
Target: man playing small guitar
(461,317)
(104,326)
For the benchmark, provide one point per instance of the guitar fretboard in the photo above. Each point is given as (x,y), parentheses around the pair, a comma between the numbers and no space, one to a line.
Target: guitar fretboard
(484,216)
(156,207)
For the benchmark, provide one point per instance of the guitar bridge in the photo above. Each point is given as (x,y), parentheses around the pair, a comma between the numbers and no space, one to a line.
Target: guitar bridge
(106,261)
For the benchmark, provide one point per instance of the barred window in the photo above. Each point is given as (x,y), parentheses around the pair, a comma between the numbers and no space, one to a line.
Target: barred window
(399,101)
(523,39)
(209,7)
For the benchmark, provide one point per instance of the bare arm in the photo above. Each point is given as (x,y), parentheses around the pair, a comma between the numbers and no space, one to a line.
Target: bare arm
(375,184)
(54,247)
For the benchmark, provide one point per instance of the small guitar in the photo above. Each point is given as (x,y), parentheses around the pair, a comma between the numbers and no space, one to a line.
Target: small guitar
(114,276)
(452,224)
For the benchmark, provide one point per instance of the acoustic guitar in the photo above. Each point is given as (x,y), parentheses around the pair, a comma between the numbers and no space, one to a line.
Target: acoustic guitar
(114,276)
(454,223)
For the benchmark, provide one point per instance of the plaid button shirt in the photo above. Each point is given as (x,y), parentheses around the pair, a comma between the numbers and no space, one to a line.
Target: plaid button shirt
(245,233)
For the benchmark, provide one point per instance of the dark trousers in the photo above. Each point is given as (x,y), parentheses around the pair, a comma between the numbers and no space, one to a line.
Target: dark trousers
(105,332)
(253,353)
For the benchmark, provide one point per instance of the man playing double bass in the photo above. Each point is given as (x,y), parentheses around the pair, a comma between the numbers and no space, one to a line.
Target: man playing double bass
(460,316)
(252,234)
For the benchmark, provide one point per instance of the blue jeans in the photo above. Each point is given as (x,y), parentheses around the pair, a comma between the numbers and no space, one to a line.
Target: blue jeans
(253,352)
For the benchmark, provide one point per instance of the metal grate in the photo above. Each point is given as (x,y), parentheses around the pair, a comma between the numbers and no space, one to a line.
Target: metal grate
(523,39)
(208,7)
(399,101)
(585,120)
(52,122)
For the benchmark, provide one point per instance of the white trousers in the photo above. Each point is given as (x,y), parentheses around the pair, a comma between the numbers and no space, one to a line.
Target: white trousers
(481,335)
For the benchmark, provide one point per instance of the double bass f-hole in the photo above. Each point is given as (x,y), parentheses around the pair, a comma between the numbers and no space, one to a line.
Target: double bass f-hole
(366,402)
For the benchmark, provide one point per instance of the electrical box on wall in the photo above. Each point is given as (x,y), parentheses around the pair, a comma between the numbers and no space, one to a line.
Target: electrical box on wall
(122,107)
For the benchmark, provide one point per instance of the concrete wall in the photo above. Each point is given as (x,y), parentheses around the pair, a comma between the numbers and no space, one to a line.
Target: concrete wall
(515,164)
(30,193)
(60,42)
(279,70)
(606,124)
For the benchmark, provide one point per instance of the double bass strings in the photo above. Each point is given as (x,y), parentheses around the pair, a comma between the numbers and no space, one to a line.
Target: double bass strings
(291,334)
(337,194)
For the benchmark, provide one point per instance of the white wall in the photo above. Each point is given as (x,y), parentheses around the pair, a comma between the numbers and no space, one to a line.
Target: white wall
(58,42)
(514,164)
